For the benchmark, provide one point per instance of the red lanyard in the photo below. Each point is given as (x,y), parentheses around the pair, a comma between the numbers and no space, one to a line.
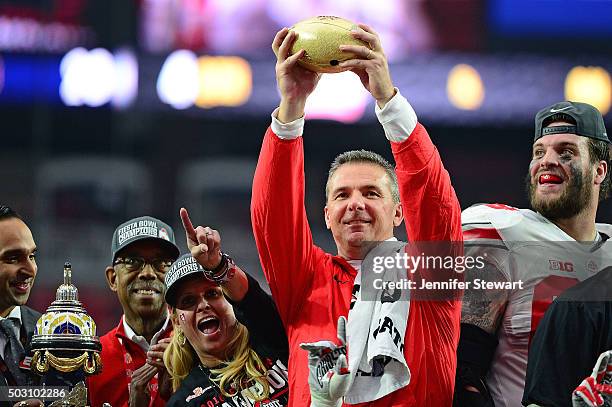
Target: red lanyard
(130,366)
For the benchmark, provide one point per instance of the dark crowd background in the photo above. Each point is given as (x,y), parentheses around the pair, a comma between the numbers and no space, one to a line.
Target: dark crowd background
(75,170)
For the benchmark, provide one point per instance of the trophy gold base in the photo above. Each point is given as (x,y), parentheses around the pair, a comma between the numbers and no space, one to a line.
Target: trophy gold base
(76,398)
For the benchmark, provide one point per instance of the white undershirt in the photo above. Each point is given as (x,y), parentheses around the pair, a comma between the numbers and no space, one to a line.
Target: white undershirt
(397,118)
(140,340)
(356,264)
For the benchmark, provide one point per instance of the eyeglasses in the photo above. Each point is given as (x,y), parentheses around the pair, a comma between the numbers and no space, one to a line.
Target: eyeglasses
(138,263)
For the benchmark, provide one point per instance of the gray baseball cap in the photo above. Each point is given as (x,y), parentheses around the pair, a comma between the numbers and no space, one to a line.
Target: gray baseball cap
(185,266)
(589,121)
(144,227)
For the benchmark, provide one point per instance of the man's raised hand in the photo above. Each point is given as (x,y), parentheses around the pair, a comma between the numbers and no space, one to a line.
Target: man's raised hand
(329,377)
(371,66)
(295,83)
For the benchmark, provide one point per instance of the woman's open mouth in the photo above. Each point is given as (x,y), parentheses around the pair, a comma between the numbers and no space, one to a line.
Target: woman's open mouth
(209,325)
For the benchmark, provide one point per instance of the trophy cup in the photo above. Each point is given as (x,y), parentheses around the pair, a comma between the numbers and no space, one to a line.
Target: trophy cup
(65,346)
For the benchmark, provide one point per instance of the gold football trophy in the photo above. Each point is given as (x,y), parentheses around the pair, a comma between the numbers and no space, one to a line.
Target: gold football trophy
(65,346)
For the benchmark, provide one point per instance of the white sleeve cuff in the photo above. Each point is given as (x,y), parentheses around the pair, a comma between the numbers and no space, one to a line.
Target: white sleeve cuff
(287,131)
(397,118)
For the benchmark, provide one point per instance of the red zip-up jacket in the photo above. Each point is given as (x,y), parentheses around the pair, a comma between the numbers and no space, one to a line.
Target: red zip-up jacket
(313,288)
(111,385)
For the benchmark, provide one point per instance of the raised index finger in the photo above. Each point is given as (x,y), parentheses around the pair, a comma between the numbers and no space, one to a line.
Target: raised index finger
(187,225)
(342,330)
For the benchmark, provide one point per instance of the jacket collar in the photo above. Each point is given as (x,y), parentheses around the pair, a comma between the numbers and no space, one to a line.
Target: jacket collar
(28,323)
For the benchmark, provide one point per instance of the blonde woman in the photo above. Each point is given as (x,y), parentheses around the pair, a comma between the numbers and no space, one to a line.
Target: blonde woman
(228,345)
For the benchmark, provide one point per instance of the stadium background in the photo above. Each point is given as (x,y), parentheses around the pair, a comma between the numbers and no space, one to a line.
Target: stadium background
(118,108)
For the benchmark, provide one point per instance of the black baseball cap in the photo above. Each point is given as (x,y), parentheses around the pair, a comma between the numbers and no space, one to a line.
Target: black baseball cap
(185,266)
(144,227)
(589,121)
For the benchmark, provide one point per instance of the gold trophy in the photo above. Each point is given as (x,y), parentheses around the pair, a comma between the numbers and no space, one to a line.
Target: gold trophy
(65,346)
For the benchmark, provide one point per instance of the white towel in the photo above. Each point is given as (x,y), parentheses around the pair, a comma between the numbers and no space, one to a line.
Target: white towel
(376,330)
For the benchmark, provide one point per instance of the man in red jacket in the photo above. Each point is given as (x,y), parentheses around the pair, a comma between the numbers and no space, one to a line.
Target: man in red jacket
(143,249)
(366,199)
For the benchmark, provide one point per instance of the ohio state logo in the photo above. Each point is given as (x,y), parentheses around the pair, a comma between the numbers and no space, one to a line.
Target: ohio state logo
(558,265)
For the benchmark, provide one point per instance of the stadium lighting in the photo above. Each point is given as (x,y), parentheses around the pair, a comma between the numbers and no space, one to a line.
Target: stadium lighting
(223,81)
(126,90)
(177,83)
(464,87)
(99,70)
(95,78)
(73,72)
(589,85)
(339,96)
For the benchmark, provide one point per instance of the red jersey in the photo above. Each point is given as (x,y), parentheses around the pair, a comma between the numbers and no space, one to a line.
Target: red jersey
(313,288)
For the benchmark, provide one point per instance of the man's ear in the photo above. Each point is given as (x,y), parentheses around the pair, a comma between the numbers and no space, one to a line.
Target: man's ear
(326,215)
(398,215)
(600,172)
(111,278)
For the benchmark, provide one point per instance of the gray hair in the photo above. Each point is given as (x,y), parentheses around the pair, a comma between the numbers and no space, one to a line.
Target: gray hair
(367,157)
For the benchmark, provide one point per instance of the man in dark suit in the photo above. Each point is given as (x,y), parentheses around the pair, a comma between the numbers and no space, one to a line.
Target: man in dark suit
(17,273)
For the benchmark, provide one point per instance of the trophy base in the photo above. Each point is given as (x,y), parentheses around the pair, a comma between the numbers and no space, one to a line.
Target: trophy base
(76,398)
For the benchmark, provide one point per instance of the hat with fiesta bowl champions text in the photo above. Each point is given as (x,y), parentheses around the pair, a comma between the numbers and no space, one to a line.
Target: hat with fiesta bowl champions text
(144,227)
(588,121)
(185,266)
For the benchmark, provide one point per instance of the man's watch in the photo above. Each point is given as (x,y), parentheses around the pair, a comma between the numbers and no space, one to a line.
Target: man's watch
(223,272)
